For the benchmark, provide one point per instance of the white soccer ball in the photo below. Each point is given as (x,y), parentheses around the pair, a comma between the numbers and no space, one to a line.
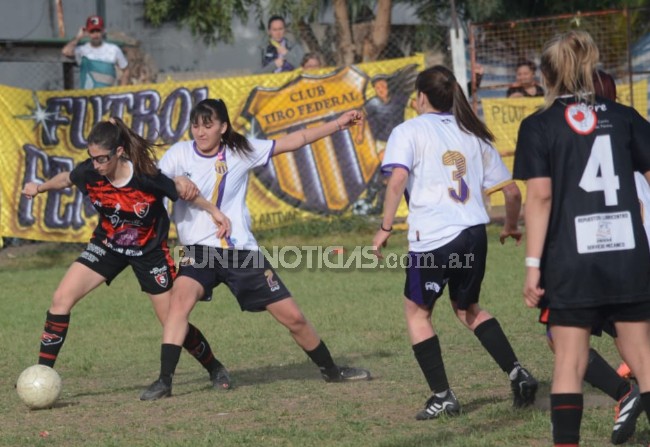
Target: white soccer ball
(39,386)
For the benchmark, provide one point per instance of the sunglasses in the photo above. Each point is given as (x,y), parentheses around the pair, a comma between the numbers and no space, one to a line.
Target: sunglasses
(102,159)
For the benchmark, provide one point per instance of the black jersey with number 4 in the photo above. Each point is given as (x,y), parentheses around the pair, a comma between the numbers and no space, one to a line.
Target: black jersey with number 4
(132,218)
(596,250)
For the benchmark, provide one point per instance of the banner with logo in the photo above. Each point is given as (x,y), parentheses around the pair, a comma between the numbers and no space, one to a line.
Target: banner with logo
(504,115)
(43,133)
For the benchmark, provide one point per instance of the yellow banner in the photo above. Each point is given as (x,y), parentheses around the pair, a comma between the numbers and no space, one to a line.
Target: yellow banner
(43,133)
(504,115)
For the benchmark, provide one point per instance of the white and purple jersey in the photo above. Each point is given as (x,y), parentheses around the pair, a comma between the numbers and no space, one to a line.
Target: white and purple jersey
(222,179)
(449,170)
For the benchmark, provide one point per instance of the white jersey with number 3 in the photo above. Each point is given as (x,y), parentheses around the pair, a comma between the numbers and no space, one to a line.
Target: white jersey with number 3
(449,170)
(222,179)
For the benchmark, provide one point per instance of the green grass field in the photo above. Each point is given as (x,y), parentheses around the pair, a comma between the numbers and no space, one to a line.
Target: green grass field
(112,354)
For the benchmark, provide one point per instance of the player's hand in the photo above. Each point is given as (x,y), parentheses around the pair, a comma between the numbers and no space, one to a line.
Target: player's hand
(223,223)
(186,188)
(514,233)
(532,292)
(30,190)
(380,240)
(349,119)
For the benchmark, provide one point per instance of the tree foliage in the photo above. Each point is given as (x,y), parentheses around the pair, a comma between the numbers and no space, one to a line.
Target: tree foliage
(362,27)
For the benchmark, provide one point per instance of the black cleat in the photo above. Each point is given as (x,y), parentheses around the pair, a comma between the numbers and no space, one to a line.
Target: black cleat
(628,410)
(524,388)
(345,374)
(156,390)
(437,406)
(220,378)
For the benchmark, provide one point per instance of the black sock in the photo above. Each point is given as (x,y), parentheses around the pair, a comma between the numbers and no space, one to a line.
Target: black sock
(198,346)
(602,376)
(54,331)
(169,356)
(645,401)
(495,342)
(566,415)
(429,357)
(322,358)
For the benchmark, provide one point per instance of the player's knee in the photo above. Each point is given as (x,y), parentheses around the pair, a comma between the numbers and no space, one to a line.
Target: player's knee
(295,320)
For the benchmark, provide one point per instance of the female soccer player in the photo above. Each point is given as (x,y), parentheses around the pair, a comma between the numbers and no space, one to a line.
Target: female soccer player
(126,188)
(587,257)
(219,160)
(443,161)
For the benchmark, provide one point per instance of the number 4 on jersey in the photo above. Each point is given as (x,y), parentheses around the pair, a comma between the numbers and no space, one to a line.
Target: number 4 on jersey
(599,173)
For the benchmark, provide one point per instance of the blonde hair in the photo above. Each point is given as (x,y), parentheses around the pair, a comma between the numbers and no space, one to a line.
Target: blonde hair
(567,64)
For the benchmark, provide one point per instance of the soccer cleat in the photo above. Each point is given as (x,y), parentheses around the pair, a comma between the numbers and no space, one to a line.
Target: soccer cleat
(156,390)
(437,406)
(345,374)
(624,371)
(628,410)
(524,388)
(220,378)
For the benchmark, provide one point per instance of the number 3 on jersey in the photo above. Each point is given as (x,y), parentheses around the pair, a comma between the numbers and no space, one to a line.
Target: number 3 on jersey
(457,160)
(599,173)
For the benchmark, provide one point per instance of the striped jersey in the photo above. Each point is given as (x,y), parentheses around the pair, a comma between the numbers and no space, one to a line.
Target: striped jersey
(222,179)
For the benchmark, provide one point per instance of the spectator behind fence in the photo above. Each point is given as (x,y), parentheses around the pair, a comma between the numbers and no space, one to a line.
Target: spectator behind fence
(311,61)
(97,59)
(525,84)
(279,54)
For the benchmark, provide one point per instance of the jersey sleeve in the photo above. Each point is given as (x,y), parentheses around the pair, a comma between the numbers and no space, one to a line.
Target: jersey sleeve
(496,175)
(400,151)
(640,142)
(531,154)
(79,176)
(163,184)
(262,152)
(167,164)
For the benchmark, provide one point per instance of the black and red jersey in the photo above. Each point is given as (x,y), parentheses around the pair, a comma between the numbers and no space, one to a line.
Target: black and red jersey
(596,250)
(132,218)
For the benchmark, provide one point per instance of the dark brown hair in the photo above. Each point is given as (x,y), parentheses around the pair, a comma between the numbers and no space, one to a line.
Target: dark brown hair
(604,85)
(446,95)
(210,109)
(111,134)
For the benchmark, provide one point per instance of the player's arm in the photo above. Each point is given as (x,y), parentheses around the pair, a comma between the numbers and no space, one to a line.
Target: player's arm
(223,223)
(303,137)
(536,215)
(56,183)
(394,192)
(187,190)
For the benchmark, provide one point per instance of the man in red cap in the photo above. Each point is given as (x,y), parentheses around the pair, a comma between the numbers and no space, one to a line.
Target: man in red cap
(97,59)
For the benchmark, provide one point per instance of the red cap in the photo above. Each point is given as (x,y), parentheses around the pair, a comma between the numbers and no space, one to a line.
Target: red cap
(94,23)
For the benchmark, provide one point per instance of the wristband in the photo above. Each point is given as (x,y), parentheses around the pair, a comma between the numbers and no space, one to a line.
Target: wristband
(532,262)
(387,230)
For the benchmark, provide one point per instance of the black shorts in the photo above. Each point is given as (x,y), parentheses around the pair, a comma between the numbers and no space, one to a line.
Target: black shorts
(606,326)
(155,270)
(460,263)
(247,274)
(601,318)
